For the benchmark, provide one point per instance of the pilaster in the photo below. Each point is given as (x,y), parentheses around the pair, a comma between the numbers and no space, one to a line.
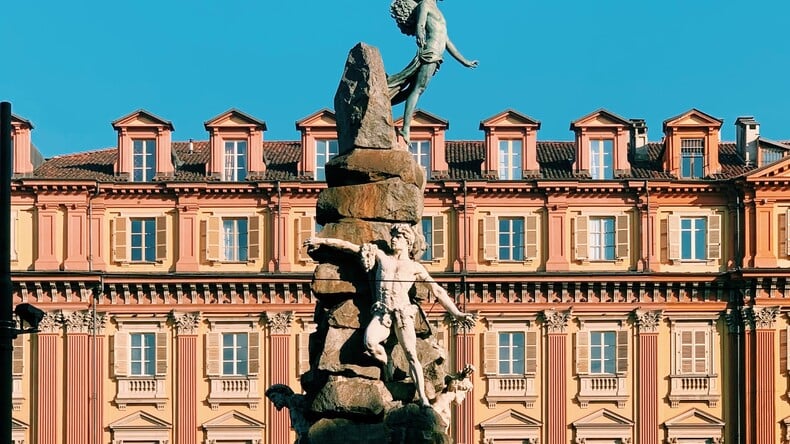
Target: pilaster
(186,327)
(464,426)
(749,226)
(465,256)
(761,322)
(46,418)
(188,234)
(96,323)
(557,236)
(648,427)
(280,261)
(764,228)
(279,325)
(556,394)
(96,236)
(47,214)
(78,324)
(76,230)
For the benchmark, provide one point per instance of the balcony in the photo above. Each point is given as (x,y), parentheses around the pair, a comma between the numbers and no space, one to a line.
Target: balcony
(602,388)
(141,390)
(511,388)
(233,390)
(694,388)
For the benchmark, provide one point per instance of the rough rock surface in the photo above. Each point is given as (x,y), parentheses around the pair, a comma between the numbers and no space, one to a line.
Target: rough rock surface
(362,103)
(335,280)
(352,397)
(389,200)
(365,166)
(345,431)
(415,425)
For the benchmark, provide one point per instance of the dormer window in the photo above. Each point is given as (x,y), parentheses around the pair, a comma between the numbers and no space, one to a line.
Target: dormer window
(691,148)
(692,158)
(325,149)
(510,155)
(601,159)
(144,160)
(319,144)
(235,168)
(421,151)
(427,144)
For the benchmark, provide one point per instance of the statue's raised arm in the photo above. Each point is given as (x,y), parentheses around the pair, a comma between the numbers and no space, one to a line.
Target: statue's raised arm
(425,21)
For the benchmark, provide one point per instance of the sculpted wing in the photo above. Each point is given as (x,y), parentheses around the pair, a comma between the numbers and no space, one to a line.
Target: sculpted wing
(403,13)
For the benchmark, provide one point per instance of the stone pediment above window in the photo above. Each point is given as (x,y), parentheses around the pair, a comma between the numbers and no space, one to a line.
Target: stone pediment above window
(236,147)
(140,426)
(144,147)
(605,425)
(779,170)
(511,425)
(319,143)
(694,425)
(512,137)
(692,145)
(233,426)
(602,144)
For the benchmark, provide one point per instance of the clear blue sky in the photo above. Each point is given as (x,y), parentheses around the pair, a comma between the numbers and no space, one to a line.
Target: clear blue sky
(72,67)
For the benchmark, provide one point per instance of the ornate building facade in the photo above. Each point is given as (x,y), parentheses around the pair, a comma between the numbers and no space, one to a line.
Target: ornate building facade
(628,291)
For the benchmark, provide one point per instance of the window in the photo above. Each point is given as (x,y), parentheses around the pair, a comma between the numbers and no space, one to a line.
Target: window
(143,240)
(234,354)
(510,152)
(693,352)
(601,238)
(144,160)
(433,230)
(602,352)
(421,151)
(601,159)
(692,158)
(768,155)
(602,361)
(511,353)
(693,375)
(693,238)
(324,150)
(509,238)
(143,354)
(235,161)
(234,239)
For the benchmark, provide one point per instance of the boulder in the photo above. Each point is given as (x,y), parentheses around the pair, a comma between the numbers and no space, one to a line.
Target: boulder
(346,431)
(342,354)
(365,166)
(390,200)
(352,398)
(338,282)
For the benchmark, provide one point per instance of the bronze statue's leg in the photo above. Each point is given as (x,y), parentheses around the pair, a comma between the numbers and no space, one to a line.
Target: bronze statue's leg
(424,75)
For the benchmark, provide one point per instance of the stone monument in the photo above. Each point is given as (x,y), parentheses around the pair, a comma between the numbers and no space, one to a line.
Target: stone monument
(377,375)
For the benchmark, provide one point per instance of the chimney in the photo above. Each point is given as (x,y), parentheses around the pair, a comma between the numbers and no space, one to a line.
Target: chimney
(639,139)
(191,146)
(747,132)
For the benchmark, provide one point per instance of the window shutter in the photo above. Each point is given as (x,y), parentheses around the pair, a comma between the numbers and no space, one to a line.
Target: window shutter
(304,352)
(121,353)
(120,249)
(161,354)
(686,351)
(782,228)
(673,237)
(531,236)
(531,352)
(253,237)
(212,238)
(622,351)
(582,250)
(253,345)
(786,225)
(213,352)
(701,365)
(623,236)
(13,235)
(714,236)
(490,234)
(783,350)
(438,237)
(161,238)
(490,345)
(18,362)
(304,231)
(583,352)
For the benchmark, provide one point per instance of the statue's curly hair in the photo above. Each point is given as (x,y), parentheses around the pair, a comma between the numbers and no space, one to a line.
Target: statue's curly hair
(403,13)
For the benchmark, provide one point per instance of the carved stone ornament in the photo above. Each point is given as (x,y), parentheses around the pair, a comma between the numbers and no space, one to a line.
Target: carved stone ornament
(96,321)
(77,321)
(52,322)
(763,317)
(279,323)
(186,323)
(648,320)
(733,319)
(556,321)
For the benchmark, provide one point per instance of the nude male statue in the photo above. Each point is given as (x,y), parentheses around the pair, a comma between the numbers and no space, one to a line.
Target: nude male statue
(424,20)
(395,272)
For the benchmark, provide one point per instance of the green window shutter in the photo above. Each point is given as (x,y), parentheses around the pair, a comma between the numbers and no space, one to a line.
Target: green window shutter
(120,247)
(254,237)
(304,232)
(18,362)
(531,352)
(212,238)
(531,236)
(583,352)
(161,238)
(490,359)
(673,237)
(782,238)
(438,237)
(121,343)
(580,237)
(253,346)
(714,236)
(490,241)
(213,354)
(623,223)
(161,354)
(622,351)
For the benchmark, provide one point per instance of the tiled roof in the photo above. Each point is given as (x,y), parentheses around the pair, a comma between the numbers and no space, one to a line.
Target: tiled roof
(464,157)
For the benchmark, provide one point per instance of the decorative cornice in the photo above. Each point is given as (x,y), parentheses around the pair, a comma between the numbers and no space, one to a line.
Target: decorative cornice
(52,322)
(648,320)
(279,323)
(186,323)
(556,321)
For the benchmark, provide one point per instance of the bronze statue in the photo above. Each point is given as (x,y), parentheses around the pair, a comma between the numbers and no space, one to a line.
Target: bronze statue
(424,20)
(282,396)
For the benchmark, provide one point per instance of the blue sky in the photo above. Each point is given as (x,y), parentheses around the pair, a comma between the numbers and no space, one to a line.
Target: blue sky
(79,65)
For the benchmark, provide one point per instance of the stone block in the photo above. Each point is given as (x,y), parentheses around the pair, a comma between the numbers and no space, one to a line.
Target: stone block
(366,166)
(390,200)
(352,397)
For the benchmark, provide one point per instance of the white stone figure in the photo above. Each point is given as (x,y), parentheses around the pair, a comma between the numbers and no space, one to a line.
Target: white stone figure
(455,393)
(395,272)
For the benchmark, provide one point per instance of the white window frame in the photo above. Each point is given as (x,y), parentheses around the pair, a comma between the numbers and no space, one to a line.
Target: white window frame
(511,387)
(603,387)
(713,236)
(694,386)
(140,389)
(420,150)
(531,236)
(231,240)
(437,236)
(694,152)
(145,169)
(231,171)
(323,154)
(121,237)
(622,236)
(236,349)
(233,389)
(143,234)
(599,170)
(510,159)
(596,238)
(147,343)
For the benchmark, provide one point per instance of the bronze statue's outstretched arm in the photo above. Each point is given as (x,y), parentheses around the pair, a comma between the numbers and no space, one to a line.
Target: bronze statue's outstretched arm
(458,56)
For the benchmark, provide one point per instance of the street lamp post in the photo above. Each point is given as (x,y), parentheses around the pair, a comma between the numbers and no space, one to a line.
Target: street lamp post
(7,325)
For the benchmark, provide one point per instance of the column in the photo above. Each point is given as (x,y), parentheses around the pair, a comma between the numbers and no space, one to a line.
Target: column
(647,425)
(47,378)
(279,349)
(465,254)
(77,379)
(464,427)
(96,376)
(188,235)
(556,370)
(186,376)
(76,229)
(47,224)
(558,239)
(764,361)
